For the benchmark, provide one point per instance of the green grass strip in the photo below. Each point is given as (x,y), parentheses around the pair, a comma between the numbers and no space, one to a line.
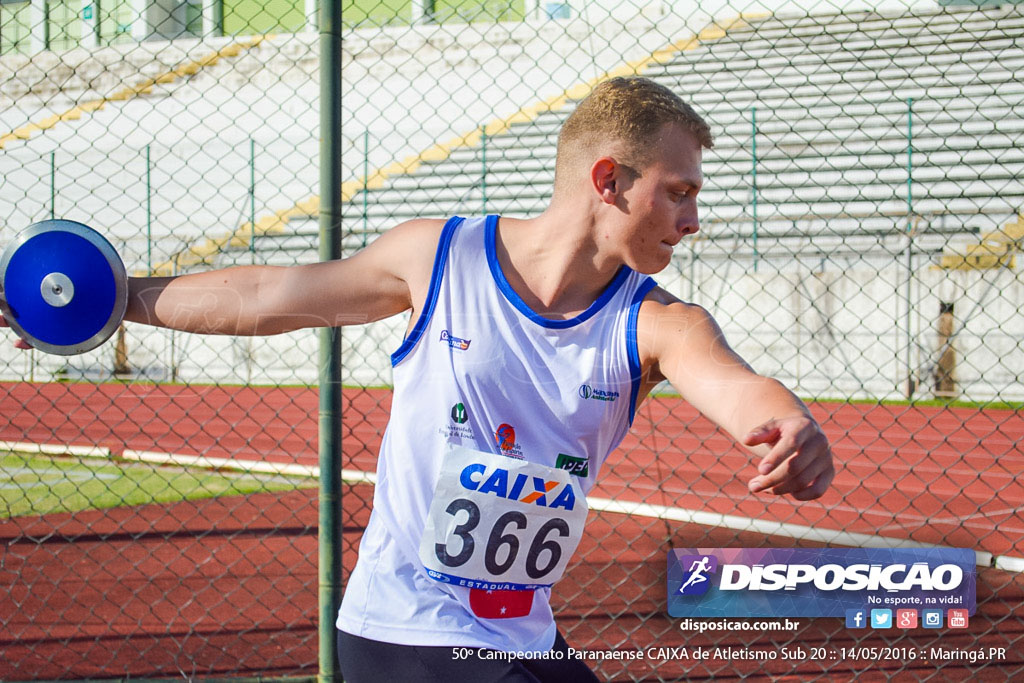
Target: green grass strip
(38,485)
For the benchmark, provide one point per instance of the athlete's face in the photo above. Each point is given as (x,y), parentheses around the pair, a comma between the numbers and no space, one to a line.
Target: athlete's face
(659,207)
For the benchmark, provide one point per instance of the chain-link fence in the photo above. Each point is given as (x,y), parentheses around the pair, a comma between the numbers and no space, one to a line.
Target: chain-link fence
(158,496)
(861,223)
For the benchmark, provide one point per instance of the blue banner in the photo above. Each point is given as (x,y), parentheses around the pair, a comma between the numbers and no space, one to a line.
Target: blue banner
(821,582)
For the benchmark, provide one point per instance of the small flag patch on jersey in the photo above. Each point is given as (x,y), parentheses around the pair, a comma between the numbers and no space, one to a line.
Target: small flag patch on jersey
(499,604)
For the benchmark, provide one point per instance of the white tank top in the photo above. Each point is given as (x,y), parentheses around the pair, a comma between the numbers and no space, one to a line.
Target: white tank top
(500,422)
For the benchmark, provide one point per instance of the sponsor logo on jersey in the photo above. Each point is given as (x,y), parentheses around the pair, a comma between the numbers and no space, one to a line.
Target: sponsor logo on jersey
(505,435)
(455,342)
(588,392)
(522,487)
(457,428)
(578,466)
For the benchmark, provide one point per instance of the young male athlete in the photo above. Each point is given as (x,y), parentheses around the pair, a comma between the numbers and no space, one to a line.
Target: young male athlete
(531,344)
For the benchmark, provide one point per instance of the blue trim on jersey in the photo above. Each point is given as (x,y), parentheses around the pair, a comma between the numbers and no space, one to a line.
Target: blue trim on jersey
(510,294)
(440,258)
(484,585)
(631,346)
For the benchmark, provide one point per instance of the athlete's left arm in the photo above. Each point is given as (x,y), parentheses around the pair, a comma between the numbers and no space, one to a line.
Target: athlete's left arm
(682,343)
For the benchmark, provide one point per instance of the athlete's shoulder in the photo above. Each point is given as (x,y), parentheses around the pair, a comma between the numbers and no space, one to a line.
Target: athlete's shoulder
(415,234)
(411,244)
(659,304)
(410,248)
(667,325)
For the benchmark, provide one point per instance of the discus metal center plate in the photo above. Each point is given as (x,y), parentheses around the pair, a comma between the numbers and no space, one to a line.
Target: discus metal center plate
(57,290)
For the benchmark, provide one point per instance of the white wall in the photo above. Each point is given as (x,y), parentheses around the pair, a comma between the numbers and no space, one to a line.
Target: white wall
(829,334)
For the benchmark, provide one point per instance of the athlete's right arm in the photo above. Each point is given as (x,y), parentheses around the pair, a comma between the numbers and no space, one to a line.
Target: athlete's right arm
(389,276)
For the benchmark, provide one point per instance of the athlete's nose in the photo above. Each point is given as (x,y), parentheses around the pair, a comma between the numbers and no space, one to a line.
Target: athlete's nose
(688,222)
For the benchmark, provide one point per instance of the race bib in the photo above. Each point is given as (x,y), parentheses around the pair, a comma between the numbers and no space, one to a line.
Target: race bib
(500,523)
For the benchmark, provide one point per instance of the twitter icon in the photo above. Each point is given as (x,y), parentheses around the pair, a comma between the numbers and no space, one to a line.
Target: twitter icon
(881,618)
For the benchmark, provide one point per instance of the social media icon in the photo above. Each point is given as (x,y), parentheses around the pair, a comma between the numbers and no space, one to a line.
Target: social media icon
(881,618)
(856,618)
(931,618)
(957,618)
(906,618)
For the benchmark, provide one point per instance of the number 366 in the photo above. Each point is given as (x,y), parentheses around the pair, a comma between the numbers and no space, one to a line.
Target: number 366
(497,539)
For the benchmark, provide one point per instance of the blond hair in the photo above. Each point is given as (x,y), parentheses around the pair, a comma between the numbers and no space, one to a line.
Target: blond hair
(630,112)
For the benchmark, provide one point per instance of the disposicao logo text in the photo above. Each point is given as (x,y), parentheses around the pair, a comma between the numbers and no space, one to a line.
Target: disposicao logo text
(808,582)
(832,577)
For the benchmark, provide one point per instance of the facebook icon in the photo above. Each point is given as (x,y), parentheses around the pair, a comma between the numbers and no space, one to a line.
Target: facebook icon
(856,618)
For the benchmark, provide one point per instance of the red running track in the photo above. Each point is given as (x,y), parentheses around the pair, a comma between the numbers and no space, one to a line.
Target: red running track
(948,476)
(228,587)
(217,587)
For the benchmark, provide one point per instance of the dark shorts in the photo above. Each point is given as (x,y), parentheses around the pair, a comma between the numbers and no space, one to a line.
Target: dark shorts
(369,661)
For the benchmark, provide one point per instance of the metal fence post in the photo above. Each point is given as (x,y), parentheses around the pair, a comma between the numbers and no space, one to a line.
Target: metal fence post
(252,199)
(329,536)
(753,172)
(53,185)
(910,241)
(423,12)
(366,184)
(213,18)
(40,28)
(149,216)
(483,167)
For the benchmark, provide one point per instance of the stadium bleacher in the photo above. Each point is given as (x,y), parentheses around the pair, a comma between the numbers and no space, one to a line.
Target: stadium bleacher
(837,121)
(834,113)
(859,169)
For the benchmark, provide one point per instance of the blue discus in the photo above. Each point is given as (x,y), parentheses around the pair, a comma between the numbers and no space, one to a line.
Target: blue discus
(65,289)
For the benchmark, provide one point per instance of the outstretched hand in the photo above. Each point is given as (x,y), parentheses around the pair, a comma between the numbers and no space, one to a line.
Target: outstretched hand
(799,462)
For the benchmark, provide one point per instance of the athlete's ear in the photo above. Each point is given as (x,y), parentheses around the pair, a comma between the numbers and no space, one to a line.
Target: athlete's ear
(605,175)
